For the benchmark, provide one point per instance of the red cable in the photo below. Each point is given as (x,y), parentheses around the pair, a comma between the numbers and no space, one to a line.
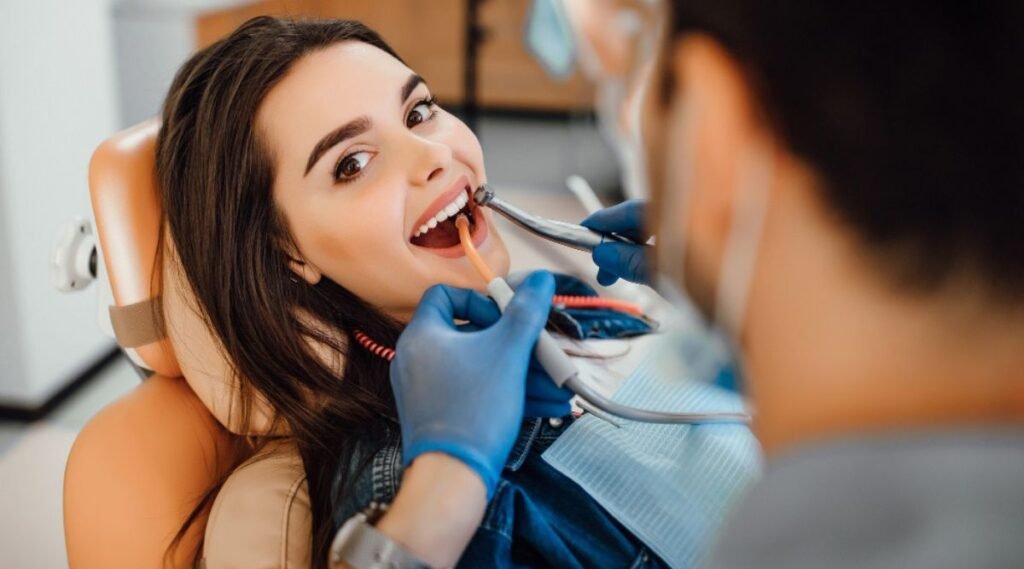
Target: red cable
(377,349)
(568,301)
(596,302)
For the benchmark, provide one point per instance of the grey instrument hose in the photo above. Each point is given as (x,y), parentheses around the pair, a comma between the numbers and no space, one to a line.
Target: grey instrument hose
(580,387)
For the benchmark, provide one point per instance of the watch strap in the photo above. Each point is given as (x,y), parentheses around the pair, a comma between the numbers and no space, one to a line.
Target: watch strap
(359,545)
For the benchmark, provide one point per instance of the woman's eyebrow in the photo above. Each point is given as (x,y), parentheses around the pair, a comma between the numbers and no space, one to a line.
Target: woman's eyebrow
(411,83)
(355,127)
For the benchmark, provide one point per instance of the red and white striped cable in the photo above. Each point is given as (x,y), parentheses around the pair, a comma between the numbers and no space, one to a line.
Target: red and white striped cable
(567,301)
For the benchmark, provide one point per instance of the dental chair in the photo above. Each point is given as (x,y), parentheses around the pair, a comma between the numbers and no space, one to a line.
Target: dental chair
(140,465)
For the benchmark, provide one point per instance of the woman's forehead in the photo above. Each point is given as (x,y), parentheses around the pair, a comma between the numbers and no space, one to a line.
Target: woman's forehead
(328,88)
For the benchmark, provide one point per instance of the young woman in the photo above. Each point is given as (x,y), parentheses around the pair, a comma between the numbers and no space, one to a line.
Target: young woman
(310,183)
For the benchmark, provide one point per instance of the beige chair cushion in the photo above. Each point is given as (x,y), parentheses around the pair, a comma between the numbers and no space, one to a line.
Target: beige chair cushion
(261,518)
(202,360)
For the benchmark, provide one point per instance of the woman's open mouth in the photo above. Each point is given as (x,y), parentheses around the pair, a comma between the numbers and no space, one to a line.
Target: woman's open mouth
(437,230)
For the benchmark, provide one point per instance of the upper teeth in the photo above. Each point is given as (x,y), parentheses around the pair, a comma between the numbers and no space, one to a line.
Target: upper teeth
(444,213)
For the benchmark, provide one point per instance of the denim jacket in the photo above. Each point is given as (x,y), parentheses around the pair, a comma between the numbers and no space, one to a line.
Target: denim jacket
(537,517)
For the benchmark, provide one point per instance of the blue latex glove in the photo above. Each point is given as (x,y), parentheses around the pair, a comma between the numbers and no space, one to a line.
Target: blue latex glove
(463,392)
(618,260)
(543,398)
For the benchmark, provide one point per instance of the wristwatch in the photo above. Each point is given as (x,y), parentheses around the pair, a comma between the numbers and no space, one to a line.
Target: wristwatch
(359,545)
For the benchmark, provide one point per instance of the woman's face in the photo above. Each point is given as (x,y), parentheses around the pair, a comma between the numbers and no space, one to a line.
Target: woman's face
(364,162)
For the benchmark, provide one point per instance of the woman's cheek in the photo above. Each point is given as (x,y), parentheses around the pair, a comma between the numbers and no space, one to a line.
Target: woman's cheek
(466,148)
(374,260)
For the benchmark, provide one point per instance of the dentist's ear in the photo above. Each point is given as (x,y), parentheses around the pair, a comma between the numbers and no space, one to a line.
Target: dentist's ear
(713,120)
(726,122)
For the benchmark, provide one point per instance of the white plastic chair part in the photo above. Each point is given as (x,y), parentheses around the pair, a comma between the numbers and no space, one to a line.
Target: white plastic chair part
(73,256)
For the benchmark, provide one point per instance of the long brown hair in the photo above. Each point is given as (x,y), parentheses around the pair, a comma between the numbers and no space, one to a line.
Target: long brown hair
(216,177)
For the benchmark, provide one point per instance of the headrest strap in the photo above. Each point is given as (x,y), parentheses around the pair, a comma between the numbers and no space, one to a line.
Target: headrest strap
(138,324)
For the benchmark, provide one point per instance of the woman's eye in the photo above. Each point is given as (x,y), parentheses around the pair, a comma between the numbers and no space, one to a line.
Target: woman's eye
(422,112)
(350,166)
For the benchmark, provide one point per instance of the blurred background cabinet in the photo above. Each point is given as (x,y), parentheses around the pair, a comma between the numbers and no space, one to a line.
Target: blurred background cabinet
(431,36)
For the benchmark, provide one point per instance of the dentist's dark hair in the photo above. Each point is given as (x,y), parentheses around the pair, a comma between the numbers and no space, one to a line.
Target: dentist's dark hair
(280,334)
(910,111)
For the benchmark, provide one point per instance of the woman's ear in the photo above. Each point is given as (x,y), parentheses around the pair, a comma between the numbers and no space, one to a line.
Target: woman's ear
(305,270)
(301,267)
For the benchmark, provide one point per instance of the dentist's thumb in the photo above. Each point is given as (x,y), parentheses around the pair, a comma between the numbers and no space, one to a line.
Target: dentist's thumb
(526,314)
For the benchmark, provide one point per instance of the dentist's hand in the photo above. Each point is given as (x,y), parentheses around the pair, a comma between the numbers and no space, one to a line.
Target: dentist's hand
(619,260)
(544,399)
(463,392)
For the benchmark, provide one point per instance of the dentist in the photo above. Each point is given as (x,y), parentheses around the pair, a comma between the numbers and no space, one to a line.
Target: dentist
(839,190)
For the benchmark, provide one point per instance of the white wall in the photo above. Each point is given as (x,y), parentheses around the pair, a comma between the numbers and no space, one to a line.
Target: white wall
(57,102)
(152,42)
(153,38)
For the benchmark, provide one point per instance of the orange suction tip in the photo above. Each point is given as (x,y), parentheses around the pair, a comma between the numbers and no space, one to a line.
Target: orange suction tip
(467,245)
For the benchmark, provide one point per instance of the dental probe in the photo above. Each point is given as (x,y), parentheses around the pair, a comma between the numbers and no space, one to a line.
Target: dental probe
(560,366)
(568,234)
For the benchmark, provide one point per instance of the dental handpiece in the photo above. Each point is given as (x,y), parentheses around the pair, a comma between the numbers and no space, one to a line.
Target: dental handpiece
(568,234)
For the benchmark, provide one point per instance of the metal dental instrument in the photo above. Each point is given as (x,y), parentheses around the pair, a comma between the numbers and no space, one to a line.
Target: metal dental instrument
(568,234)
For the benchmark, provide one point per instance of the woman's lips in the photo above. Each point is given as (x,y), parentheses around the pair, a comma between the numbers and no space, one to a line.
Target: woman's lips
(442,237)
(460,185)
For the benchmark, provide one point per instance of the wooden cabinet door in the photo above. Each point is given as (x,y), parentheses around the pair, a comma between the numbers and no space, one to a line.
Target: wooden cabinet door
(430,36)
(509,76)
(215,24)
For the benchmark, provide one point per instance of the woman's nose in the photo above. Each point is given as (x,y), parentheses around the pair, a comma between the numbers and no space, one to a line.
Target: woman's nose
(432,160)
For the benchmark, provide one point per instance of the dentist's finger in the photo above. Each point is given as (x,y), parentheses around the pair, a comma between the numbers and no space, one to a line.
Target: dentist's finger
(540,386)
(444,304)
(621,260)
(604,278)
(528,310)
(626,219)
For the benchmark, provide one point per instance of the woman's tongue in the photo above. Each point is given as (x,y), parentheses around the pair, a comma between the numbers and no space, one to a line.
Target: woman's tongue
(441,237)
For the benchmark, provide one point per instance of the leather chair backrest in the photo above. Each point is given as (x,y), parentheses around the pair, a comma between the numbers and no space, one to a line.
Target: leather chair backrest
(139,466)
(155,313)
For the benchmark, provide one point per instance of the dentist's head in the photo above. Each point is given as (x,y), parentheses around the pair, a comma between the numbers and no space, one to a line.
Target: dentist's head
(841,187)
(837,188)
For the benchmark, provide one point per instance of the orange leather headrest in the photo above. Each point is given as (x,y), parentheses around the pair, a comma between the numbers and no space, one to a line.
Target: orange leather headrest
(126,204)
(155,312)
